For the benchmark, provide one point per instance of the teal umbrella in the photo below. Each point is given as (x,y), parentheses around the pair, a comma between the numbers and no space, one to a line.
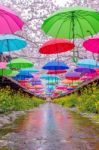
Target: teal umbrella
(49,77)
(11,43)
(88,63)
(31,70)
(72,23)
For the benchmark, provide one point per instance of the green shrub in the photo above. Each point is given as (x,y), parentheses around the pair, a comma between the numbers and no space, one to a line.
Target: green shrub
(88,101)
(11,100)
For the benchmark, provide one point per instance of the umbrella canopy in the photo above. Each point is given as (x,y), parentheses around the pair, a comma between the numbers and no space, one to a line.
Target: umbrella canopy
(85,78)
(22,76)
(61,87)
(56,71)
(5,72)
(85,70)
(55,65)
(97,71)
(71,23)
(70,88)
(72,76)
(35,81)
(20,63)
(31,70)
(92,45)
(23,82)
(89,63)
(11,43)
(51,83)
(66,81)
(3,65)
(49,77)
(13,73)
(9,21)
(38,86)
(54,46)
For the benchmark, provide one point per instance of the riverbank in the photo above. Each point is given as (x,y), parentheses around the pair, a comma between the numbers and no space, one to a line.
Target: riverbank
(14,104)
(86,104)
(9,117)
(91,116)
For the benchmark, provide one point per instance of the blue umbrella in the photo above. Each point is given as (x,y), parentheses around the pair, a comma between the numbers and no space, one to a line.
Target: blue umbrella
(11,43)
(22,76)
(55,65)
(89,63)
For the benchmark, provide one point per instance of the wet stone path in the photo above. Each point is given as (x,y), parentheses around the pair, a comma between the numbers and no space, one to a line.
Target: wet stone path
(50,127)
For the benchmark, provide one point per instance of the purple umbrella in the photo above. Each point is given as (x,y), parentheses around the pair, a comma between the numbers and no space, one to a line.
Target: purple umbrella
(35,81)
(85,70)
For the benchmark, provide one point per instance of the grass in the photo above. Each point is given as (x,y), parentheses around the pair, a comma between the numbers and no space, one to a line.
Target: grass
(87,102)
(9,100)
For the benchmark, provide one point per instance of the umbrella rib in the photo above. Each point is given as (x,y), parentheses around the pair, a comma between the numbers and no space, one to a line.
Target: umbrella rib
(7,22)
(89,23)
(13,20)
(80,27)
(55,23)
(70,28)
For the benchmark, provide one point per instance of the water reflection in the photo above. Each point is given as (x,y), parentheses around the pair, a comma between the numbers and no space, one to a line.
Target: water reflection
(51,127)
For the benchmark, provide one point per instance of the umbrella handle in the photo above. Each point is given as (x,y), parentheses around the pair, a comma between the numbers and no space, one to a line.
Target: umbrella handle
(74,58)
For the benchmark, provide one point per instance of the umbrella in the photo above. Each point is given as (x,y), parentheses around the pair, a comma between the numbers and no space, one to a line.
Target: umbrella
(89,63)
(56,71)
(5,72)
(31,70)
(9,21)
(22,76)
(49,77)
(61,87)
(66,81)
(70,88)
(3,65)
(55,65)
(20,63)
(85,70)
(23,82)
(85,78)
(38,86)
(72,76)
(51,83)
(54,46)
(11,43)
(71,23)
(13,73)
(92,45)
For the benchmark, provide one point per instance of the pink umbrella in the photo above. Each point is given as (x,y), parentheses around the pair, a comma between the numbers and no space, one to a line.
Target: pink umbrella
(3,65)
(61,88)
(9,21)
(85,78)
(92,45)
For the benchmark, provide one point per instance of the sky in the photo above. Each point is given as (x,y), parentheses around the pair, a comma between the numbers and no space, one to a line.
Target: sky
(62,2)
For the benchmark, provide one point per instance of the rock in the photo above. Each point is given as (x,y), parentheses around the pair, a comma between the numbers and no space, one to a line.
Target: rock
(7,119)
(3,143)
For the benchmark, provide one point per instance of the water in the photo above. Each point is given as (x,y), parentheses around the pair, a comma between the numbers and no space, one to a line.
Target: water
(51,127)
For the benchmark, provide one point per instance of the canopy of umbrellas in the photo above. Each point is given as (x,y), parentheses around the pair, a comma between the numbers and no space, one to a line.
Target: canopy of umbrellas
(58,78)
